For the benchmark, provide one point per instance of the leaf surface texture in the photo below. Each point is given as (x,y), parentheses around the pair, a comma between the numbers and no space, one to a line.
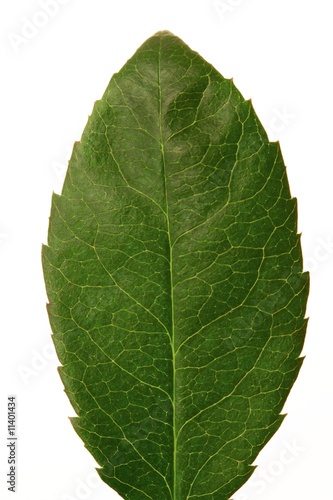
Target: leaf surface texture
(174,276)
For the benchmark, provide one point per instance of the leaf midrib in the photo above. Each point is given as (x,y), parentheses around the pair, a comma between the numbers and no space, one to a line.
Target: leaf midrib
(172,338)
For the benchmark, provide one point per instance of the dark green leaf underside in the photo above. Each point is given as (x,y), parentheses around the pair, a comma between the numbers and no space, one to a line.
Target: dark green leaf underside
(174,276)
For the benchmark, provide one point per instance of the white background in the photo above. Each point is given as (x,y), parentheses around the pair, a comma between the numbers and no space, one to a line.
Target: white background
(280,54)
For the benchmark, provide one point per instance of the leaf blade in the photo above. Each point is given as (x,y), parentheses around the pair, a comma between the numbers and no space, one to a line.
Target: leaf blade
(166,289)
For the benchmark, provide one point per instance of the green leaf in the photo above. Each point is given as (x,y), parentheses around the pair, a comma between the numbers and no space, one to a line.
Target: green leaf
(174,276)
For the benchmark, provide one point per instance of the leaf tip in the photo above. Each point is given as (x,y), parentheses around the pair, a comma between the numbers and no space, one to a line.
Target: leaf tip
(163,34)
